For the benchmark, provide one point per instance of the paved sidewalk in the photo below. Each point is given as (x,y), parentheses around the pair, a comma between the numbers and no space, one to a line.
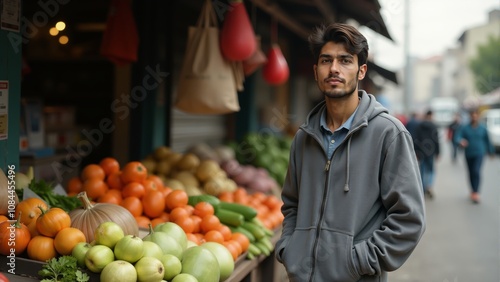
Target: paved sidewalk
(462,239)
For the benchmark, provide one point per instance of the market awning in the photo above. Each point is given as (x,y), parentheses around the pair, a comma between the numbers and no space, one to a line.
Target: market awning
(301,16)
(387,74)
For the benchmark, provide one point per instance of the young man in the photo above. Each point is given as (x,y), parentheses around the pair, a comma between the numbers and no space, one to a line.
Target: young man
(353,201)
(474,138)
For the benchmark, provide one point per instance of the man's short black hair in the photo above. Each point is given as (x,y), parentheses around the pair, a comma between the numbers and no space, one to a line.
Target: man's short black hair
(353,40)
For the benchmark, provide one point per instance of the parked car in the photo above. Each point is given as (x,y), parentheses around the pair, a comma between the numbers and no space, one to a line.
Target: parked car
(491,119)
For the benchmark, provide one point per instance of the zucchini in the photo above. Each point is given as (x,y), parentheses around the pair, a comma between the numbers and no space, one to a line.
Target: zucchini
(253,228)
(254,250)
(268,231)
(214,201)
(263,248)
(243,231)
(229,217)
(248,212)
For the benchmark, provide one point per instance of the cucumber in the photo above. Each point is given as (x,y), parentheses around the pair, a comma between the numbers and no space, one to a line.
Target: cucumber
(248,212)
(268,231)
(229,218)
(253,228)
(263,248)
(214,201)
(254,250)
(267,243)
(243,231)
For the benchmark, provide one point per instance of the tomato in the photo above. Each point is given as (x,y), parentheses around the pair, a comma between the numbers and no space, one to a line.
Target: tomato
(92,171)
(109,165)
(134,171)
(176,198)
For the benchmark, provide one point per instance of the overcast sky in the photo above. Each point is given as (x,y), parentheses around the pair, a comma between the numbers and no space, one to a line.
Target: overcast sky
(435,25)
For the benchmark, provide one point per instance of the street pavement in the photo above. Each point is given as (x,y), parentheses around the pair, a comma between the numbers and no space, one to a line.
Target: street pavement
(462,240)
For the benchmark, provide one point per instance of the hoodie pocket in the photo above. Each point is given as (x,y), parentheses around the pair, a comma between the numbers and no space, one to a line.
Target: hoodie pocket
(297,254)
(334,261)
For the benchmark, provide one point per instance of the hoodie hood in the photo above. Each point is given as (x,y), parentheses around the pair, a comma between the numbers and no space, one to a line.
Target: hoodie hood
(368,108)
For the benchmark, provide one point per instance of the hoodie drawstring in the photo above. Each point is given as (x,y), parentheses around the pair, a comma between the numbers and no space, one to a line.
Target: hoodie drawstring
(346,185)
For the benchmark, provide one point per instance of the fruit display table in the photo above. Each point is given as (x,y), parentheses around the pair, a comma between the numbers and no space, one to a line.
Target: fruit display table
(261,268)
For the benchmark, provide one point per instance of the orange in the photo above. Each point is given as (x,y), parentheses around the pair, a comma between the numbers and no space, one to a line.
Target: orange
(109,165)
(92,171)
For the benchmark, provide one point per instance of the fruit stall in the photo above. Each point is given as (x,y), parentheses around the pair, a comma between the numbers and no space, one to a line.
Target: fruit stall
(168,217)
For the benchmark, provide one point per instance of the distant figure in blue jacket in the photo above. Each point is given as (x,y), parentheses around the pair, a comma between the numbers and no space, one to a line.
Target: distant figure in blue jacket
(474,138)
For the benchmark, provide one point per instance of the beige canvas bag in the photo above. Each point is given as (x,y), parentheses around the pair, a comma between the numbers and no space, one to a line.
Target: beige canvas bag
(208,83)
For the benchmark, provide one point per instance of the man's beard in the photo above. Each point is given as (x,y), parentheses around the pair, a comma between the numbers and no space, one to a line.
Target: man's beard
(341,94)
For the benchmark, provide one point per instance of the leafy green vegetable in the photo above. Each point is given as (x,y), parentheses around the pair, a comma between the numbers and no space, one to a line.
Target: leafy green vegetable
(46,191)
(62,269)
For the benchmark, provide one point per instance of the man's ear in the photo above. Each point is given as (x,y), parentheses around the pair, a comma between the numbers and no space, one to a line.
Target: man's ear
(362,71)
(315,69)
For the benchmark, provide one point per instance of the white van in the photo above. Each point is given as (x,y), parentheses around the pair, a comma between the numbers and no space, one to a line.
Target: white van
(491,119)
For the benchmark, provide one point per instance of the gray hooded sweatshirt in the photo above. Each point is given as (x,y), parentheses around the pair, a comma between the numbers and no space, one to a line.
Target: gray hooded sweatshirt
(358,215)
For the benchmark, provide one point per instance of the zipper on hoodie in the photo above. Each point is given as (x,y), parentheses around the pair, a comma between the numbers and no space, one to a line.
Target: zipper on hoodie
(323,203)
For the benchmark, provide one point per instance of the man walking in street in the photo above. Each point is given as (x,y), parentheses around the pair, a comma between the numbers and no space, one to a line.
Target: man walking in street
(426,144)
(474,138)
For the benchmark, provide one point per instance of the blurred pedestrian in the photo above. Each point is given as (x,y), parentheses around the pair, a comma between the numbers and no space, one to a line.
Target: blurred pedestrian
(412,124)
(352,198)
(474,138)
(452,129)
(426,145)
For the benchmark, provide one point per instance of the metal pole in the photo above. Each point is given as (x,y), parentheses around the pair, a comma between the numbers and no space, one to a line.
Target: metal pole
(407,95)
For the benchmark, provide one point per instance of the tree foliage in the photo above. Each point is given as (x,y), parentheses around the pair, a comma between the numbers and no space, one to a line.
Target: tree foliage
(486,66)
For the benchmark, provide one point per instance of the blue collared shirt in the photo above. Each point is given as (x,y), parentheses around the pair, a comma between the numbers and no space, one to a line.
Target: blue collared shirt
(333,139)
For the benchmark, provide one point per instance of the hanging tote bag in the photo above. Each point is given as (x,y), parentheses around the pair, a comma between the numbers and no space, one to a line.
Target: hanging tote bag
(207,83)
(120,42)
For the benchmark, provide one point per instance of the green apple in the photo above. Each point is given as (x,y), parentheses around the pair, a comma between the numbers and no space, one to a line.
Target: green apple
(108,234)
(79,251)
(97,257)
(172,266)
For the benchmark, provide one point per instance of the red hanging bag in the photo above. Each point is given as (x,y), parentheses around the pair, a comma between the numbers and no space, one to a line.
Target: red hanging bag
(237,37)
(120,42)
